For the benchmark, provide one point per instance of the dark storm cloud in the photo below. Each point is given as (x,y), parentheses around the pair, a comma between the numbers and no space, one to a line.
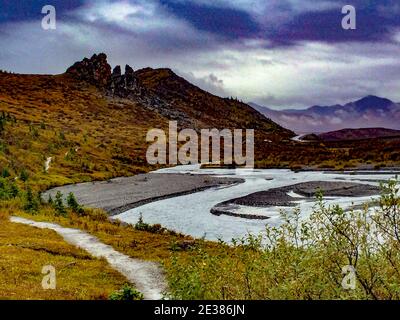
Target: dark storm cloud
(376,22)
(281,23)
(16,10)
(230,23)
(289,22)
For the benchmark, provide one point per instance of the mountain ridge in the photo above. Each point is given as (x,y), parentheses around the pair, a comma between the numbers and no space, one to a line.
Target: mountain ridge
(370,111)
(163,91)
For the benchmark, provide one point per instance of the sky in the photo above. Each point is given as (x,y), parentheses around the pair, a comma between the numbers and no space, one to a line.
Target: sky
(277,53)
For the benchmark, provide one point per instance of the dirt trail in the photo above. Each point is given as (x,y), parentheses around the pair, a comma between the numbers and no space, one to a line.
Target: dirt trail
(47,164)
(147,277)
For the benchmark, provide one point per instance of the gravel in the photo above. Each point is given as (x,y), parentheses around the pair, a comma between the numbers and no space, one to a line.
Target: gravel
(122,194)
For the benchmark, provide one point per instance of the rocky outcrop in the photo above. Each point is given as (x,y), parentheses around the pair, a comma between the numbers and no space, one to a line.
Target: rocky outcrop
(97,71)
(125,86)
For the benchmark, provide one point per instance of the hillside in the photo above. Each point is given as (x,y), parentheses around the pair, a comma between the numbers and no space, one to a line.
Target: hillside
(163,92)
(207,110)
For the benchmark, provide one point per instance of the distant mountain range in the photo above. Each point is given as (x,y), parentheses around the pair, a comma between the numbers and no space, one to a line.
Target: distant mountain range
(367,112)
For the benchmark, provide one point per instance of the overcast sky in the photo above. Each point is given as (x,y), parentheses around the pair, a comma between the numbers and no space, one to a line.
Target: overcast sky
(277,53)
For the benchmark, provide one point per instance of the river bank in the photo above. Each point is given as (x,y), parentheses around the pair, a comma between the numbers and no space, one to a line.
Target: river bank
(122,194)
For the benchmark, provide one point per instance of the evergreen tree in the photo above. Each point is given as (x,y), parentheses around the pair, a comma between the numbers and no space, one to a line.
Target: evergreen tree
(59,205)
(73,204)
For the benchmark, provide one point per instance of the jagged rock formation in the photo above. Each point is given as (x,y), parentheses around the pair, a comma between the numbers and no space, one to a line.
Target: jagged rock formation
(97,71)
(125,86)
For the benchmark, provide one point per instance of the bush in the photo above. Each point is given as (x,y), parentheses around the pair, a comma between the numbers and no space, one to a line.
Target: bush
(24,176)
(14,191)
(142,226)
(5,173)
(127,293)
(73,204)
(8,190)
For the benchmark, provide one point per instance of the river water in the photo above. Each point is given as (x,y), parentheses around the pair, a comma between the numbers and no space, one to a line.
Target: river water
(190,214)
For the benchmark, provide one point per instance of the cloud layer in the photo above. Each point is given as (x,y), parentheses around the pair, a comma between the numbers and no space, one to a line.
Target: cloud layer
(280,53)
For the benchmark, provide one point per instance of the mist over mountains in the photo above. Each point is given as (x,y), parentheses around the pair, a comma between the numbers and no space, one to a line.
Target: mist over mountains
(368,112)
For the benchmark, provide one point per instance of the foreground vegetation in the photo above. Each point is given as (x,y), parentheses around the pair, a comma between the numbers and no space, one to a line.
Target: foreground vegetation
(303,259)
(24,251)
(310,258)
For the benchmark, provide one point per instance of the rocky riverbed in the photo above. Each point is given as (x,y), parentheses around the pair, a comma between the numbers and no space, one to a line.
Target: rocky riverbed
(121,194)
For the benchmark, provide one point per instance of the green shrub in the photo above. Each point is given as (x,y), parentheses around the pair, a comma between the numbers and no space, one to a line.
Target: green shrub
(31,203)
(24,176)
(127,293)
(142,226)
(5,173)
(59,205)
(8,189)
(73,204)
(14,191)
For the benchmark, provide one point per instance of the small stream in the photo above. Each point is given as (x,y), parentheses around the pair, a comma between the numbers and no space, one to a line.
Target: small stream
(190,214)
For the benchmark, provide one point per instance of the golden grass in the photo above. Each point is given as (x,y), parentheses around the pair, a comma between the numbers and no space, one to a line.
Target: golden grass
(89,137)
(25,250)
(123,238)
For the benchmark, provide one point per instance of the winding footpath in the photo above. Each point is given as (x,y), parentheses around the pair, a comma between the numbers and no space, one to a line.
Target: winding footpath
(148,277)
(47,164)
